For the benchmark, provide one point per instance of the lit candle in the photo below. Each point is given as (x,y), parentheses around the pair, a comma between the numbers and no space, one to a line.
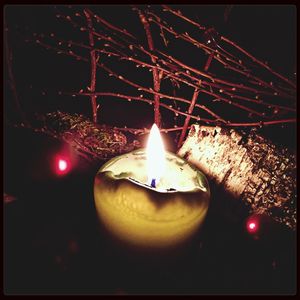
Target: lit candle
(150,197)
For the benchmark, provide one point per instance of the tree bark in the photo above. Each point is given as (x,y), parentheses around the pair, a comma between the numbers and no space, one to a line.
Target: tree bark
(91,141)
(249,167)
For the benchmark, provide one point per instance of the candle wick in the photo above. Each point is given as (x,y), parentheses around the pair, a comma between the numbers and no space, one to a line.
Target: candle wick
(153,183)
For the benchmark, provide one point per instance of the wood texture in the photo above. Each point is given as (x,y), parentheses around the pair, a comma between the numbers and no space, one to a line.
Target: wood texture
(249,167)
(90,140)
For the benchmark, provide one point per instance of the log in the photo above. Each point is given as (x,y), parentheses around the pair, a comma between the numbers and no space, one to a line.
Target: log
(249,167)
(91,141)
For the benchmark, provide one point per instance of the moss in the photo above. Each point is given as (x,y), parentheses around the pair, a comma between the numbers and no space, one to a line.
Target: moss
(97,141)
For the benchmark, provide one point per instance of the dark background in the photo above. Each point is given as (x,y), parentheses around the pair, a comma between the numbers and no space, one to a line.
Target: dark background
(51,238)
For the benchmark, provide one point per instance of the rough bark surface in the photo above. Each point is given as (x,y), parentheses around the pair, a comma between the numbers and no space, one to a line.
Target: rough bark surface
(249,167)
(91,141)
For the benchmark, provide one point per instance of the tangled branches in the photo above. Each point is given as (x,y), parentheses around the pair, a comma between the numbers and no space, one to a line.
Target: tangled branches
(230,87)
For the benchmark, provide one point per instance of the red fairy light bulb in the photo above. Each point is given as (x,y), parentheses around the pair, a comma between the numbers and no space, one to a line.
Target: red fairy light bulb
(252,224)
(62,165)
(252,227)
(261,226)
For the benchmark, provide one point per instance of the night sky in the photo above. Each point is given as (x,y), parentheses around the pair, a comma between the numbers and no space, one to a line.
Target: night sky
(51,241)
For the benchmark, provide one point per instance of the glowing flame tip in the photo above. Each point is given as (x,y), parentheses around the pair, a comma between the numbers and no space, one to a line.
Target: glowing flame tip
(155,156)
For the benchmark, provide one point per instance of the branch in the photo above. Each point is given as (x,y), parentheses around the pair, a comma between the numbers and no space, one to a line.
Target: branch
(111,73)
(259,62)
(194,99)
(180,15)
(156,75)
(171,68)
(149,101)
(89,140)
(93,66)
(176,111)
(204,83)
(232,96)
(11,80)
(139,131)
(186,36)
(109,25)
(187,119)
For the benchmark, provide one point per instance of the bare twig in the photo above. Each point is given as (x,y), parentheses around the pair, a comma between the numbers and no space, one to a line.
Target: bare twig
(193,102)
(156,75)
(149,101)
(109,25)
(259,62)
(187,119)
(164,95)
(11,79)
(93,65)
(180,15)
(257,94)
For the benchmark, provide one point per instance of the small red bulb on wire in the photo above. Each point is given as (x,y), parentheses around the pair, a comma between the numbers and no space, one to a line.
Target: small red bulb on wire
(62,165)
(252,227)
(253,224)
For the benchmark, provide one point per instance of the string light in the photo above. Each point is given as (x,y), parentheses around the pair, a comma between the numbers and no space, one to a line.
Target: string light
(62,165)
(252,224)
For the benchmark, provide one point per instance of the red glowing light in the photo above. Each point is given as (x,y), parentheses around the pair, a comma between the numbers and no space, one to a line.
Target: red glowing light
(252,226)
(62,165)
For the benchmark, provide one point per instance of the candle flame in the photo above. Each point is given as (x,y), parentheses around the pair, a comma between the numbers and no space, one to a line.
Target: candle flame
(155,156)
